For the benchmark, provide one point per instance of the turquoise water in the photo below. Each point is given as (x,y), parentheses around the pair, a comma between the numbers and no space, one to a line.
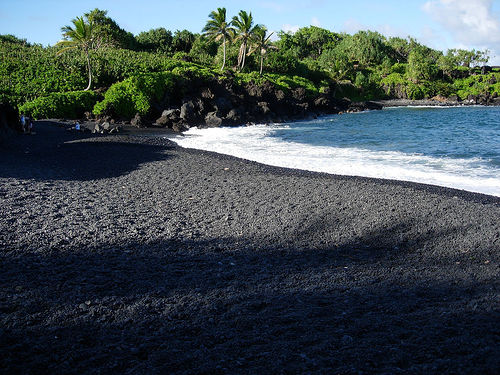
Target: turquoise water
(457,147)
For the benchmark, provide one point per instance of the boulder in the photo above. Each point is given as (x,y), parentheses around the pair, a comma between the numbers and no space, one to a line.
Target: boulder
(188,111)
(234,116)
(223,104)
(212,120)
(200,107)
(322,102)
(206,93)
(264,108)
(299,94)
(97,129)
(163,121)
(170,113)
(280,95)
(254,90)
(180,126)
(137,121)
(168,117)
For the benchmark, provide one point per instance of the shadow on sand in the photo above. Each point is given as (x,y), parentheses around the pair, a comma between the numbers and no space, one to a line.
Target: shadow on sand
(208,306)
(55,153)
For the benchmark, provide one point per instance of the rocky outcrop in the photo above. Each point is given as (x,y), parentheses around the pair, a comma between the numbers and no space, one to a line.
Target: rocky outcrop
(220,102)
(104,127)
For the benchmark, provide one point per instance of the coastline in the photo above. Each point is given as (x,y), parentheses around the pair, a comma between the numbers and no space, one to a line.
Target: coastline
(441,102)
(129,252)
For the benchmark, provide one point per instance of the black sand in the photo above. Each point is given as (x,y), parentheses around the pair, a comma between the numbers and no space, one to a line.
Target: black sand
(128,255)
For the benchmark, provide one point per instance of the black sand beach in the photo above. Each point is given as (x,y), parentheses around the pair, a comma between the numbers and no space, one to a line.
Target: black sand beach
(126,254)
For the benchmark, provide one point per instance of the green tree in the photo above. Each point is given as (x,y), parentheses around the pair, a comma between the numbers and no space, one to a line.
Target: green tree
(183,41)
(155,40)
(9,38)
(308,41)
(469,58)
(399,49)
(81,36)
(336,63)
(109,30)
(244,29)
(366,47)
(420,65)
(204,50)
(218,28)
(447,63)
(262,43)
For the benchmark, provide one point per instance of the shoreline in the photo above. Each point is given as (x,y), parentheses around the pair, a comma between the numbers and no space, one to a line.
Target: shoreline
(127,252)
(170,135)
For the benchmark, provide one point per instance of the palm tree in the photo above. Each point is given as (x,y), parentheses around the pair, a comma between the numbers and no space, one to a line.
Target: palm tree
(218,28)
(244,32)
(262,43)
(81,36)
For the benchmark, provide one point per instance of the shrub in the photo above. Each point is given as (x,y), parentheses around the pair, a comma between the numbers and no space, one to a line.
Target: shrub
(478,85)
(399,68)
(282,63)
(135,94)
(71,105)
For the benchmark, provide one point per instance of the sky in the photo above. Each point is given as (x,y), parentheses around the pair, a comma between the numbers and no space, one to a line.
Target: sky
(440,24)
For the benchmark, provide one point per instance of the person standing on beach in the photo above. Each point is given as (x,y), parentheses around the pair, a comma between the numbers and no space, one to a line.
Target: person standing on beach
(23,122)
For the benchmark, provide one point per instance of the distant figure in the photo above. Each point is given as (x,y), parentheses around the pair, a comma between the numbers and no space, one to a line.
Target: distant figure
(23,122)
(30,126)
(77,126)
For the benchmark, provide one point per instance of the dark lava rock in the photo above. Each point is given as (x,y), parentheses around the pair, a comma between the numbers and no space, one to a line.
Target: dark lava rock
(212,120)
(137,121)
(188,111)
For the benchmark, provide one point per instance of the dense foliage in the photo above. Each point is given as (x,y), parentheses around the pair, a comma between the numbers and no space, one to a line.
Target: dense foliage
(60,105)
(134,72)
(135,94)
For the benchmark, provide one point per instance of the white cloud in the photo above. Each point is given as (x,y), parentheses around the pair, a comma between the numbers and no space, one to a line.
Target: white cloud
(352,26)
(315,22)
(290,28)
(470,23)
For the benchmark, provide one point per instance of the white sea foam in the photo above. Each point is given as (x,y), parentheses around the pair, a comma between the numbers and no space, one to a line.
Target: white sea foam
(255,143)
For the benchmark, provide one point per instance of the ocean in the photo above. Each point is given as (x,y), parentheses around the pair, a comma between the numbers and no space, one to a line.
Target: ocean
(457,147)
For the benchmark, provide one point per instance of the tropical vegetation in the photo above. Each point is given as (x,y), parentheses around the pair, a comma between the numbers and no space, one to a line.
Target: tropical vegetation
(126,74)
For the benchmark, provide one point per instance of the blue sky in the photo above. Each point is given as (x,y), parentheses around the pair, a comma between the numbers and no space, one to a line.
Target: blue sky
(441,24)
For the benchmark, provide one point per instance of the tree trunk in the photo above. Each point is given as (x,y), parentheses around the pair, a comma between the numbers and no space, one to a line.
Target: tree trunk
(261,63)
(244,55)
(224,49)
(89,69)
(240,56)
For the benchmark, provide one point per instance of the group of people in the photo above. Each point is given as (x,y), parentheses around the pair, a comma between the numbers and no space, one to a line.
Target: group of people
(27,124)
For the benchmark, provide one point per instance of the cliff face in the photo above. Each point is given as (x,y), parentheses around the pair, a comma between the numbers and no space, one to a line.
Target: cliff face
(223,103)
